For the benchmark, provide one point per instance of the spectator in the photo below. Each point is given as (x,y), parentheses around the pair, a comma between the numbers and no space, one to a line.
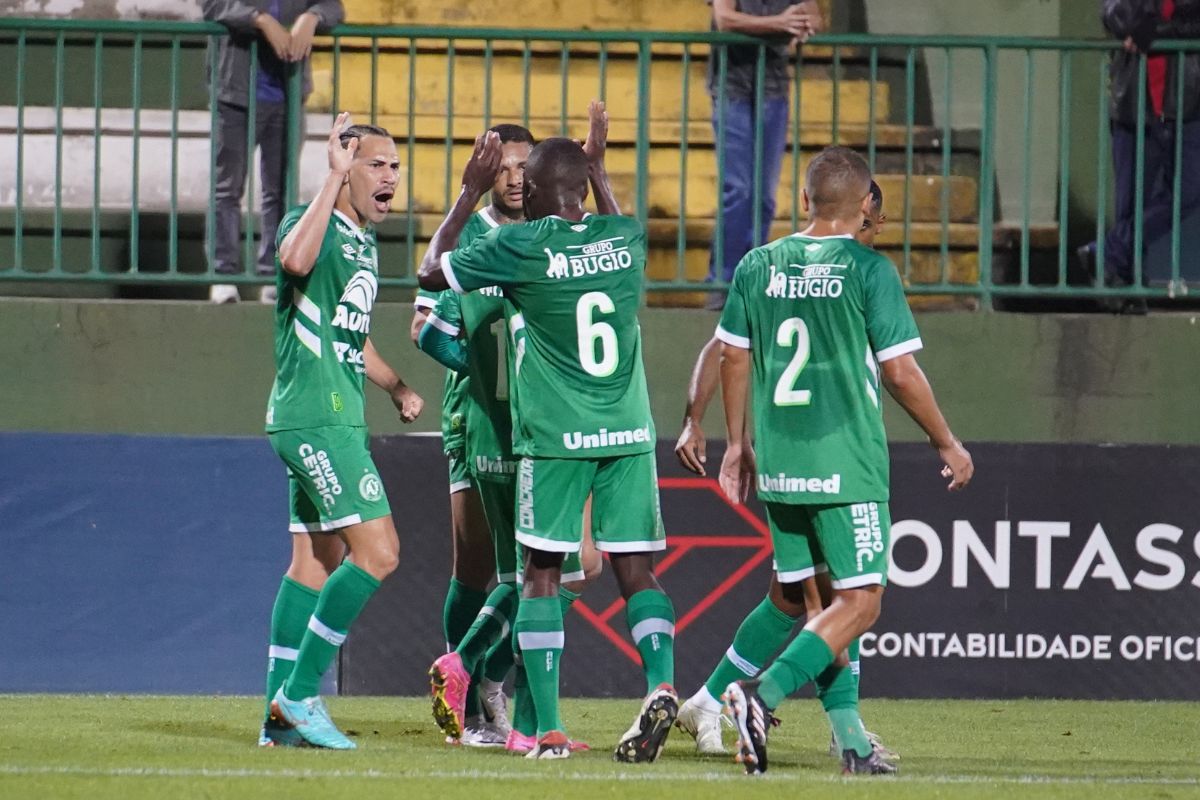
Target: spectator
(1138,23)
(284,30)
(787,23)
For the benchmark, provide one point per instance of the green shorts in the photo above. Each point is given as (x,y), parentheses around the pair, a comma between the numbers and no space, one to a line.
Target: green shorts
(626,517)
(332,481)
(460,471)
(499,499)
(850,542)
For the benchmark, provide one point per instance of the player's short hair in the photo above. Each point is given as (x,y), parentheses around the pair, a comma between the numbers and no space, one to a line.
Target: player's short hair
(557,164)
(876,198)
(361,132)
(509,133)
(836,181)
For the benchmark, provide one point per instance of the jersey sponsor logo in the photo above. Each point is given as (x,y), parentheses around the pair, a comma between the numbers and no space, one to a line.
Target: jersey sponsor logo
(350,355)
(525,494)
(868,538)
(607,255)
(324,479)
(814,280)
(786,483)
(370,488)
(359,294)
(491,291)
(495,466)
(578,440)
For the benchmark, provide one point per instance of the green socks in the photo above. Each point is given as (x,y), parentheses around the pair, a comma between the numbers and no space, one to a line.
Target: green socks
(803,660)
(853,652)
(459,613)
(540,636)
(651,619)
(760,636)
(343,598)
(491,625)
(289,619)
(837,689)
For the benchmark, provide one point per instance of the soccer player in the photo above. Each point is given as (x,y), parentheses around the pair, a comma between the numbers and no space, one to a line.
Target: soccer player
(492,331)
(484,720)
(328,279)
(820,322)
(766,630)
(583,423)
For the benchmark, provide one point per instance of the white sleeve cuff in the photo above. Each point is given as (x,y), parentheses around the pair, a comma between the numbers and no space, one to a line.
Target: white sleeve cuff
(422,301)
(443,326)
(897,350)
(732,338)
(448,271)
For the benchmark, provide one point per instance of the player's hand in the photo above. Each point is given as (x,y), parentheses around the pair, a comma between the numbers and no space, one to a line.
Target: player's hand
(480,173)
(958,465)
(597,138)
(690,449)
(341,158)
(738,468)
(276,35)
(407,402)
(302,36)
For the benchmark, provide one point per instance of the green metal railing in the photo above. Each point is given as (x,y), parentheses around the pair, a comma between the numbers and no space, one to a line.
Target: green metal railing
(137,205)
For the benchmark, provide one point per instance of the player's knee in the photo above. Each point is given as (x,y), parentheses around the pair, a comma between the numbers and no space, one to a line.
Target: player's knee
(867,605)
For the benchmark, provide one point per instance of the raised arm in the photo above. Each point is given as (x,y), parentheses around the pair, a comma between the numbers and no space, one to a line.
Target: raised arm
(478,177)
(907,384)
(299,249)
(706,376)
(406,401)
(594,148)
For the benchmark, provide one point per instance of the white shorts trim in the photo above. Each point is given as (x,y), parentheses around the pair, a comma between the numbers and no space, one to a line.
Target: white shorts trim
(541,640)
(732,338)
(651,626)
(548,545)
(797,575)
(286,653)
(325,632)
(858,581)
(652,546)
(507,577)
(448,271)
(571,577)
(460,486)
(741,663)
(325,527)
(897,350)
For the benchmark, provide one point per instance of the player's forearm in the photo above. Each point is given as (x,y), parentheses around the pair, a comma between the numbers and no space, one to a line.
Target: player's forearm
(379,372)
(443,348)
(706,376)
(907,384)
(606,201)
(420,314)
(735,383)
(299,249)
(730,21)
(445,239)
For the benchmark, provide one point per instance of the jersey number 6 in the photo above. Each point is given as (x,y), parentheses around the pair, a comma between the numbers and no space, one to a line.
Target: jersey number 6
(589,332)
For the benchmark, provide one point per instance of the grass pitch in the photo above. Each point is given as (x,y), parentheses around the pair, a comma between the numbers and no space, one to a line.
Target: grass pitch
(180,747)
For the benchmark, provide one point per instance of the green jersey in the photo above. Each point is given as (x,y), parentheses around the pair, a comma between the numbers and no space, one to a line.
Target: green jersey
(818,315)
(577,286)
(322,321)
(455,388)
(481,319)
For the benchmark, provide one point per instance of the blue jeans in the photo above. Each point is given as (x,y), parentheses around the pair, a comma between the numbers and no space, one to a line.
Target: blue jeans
(1158,186)
(737,190)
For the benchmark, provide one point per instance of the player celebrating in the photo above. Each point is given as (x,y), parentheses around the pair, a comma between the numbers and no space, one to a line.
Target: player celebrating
(816,317)
(767,628)
(327,281)
(583,422)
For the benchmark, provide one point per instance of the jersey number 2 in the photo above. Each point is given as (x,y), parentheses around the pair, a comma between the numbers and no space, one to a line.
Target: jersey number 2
(590,332)
(785,395)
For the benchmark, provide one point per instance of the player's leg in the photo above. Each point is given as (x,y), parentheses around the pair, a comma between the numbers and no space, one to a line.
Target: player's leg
(351,501)
(550,498)
(628,526)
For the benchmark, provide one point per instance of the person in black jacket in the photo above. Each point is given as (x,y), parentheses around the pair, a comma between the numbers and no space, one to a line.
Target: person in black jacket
(1138,24)
(284,31)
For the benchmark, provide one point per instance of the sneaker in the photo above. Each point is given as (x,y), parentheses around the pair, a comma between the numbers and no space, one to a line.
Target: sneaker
(885,752)
(221,293)
(483,734)
(874,764)
(267,295)
(275,733)
(554,744)
(644,740)
(752,719)
(495,707)
(703,725)
(448,683)
(518,742)
(310,719)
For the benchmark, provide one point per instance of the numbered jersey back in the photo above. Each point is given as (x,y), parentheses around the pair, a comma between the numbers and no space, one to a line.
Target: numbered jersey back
(577,286)
(818,314)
